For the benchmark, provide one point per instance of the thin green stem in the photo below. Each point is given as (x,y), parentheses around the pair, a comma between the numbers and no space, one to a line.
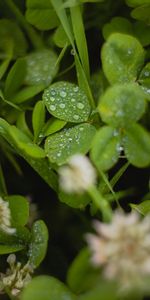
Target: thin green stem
(101,203)
(33,36)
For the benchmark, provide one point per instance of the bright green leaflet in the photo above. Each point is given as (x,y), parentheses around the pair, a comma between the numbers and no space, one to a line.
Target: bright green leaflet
(19,207)
(38,243)
(6,249)
(122,58)
(46,288)
(41,165)
(53,125)
(106,148)
(69,141)
(66,101)
(137,146)
(73,200)
(41,14)
(41,67)
(117,24)
(143,208)
(38,119)
(122,105)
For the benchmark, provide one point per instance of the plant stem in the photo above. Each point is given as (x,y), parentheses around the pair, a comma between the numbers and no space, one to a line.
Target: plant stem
(33,36)
(101,203)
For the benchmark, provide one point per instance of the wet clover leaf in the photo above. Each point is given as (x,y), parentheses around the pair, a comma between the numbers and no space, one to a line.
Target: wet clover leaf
(137,146)
(144,80)
(66,101)
(122,58)
(142,13)
(60,146)
(41,67)
(117,24)
(106,148)
(122,105)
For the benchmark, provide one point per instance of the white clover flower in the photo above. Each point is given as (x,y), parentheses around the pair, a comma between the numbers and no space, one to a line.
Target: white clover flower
(78,175)
(122,247)
(5,217)
(16,277)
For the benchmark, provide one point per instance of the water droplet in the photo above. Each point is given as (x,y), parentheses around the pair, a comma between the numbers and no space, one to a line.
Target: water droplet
(62,105)
(73,100)
(59,154)
(52,99)
(53,93)
(75,89)
(52,107)
(70,139)
(81,128)
(76,117)
(80,105)
(63,94)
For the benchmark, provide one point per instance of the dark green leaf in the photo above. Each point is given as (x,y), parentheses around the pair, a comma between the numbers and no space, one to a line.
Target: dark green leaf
(81,275)
(137,146)
(15,77)
(41,14)
(53,125)
(106,148)
(142,13)
(134,3)
(74,200)
(117,24)
(41,67)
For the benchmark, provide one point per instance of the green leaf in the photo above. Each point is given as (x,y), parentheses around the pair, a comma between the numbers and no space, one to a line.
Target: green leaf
(117,24)
(38,244)
(80,38)
(81,275)
(15,77)
(137,146)
(22,125)
(134,3)
(66,101)
(25,144)
(46,288)
(142,13)
(41,67)
(40,165)
(6,249)
(38,119)
(14,242)
(122,58)
(53,125)
(60,146)
(41,14)
(27,93)
(143,208)
(122,104)
(105,290)
(141,31)
(144,80)
(60,38)
(19,207)
(74,200)
(106,148)
(11,34)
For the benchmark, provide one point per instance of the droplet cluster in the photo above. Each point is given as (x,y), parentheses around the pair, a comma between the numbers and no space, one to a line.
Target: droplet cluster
(67,102)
